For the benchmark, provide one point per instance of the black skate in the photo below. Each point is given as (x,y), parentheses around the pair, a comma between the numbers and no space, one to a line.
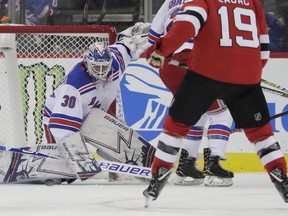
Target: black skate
(187,170)
(156,185)
(281,183)
(216,176)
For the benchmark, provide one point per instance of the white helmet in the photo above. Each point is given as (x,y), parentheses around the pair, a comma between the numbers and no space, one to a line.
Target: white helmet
(98,60)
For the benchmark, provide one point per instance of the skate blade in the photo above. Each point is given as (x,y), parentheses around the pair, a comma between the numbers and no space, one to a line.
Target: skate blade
(213,181)
(187,181)
(148,198)
(283,191)
(147,201)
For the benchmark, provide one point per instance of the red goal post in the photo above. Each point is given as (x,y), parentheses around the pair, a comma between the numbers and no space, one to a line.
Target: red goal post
(33,60)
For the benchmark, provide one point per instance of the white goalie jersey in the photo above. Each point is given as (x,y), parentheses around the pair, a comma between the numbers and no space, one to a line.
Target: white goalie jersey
(67,108)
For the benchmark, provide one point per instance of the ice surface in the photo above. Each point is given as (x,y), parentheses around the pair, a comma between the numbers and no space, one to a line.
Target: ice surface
(252,194)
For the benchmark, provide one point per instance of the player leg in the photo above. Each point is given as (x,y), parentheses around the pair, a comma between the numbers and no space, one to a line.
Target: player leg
(253,117)
(271,156)
(165,156)
(182,114)
(220,121)
(172,76)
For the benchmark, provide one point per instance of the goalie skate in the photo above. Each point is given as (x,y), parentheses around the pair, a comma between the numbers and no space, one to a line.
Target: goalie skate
(156,185)
(51,182)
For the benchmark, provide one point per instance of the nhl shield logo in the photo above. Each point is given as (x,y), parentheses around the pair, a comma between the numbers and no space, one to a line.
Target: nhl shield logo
(258,116)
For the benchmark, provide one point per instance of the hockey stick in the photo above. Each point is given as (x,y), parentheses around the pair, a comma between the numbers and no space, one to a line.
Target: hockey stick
(177,63)
(123,168)
(271,118)
(283,91)
(275,85)
(276,92)
(103,13)
(279,115)
(85,13)
(182,65)
(34,153)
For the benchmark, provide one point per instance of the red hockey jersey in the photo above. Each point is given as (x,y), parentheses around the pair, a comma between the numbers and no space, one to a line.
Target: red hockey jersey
(231,39)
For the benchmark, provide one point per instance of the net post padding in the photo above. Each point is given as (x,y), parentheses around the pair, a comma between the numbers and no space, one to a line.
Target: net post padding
(8,48)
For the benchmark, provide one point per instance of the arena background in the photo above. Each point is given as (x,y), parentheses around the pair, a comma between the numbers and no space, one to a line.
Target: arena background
(145,98)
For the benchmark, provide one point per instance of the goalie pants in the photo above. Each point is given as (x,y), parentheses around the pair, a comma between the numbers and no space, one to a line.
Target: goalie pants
(48,135)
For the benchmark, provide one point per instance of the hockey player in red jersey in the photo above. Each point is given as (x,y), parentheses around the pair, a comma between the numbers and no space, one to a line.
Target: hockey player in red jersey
(231,48)
(218,115)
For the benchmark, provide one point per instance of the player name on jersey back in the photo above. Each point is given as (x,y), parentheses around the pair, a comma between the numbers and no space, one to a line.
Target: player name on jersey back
(240,2)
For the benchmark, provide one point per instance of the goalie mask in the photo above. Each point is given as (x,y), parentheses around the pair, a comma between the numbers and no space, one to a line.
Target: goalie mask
(98,60)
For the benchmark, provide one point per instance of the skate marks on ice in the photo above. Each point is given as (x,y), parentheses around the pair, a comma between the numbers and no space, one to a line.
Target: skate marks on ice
(251,195)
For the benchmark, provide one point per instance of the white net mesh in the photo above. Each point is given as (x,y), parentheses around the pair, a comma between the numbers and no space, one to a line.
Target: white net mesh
(44,56)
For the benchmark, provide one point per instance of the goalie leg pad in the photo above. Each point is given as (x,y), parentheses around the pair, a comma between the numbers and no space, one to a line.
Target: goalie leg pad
(79,156)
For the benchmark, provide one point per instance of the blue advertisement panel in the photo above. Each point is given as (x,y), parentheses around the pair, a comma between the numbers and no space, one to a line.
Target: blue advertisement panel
(146,100)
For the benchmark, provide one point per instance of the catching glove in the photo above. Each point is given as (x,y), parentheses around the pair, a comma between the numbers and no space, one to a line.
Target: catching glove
(135,39)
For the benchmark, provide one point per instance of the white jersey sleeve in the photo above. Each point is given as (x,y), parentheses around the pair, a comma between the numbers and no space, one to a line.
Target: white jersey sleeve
(164,20)
(122,55)
(158,26)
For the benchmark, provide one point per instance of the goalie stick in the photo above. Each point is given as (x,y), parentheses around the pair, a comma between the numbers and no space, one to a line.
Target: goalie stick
(123,168)
(33,153)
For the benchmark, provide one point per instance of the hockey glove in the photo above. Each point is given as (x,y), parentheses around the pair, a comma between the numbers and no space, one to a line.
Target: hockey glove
(135,39)
(154,56)
(141,28)
(156,59)
(138,29)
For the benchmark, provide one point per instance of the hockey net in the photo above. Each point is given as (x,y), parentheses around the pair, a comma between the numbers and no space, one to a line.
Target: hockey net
(30,73)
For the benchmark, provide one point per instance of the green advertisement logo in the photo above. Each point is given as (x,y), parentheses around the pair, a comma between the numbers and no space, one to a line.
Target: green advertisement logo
(39,77)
